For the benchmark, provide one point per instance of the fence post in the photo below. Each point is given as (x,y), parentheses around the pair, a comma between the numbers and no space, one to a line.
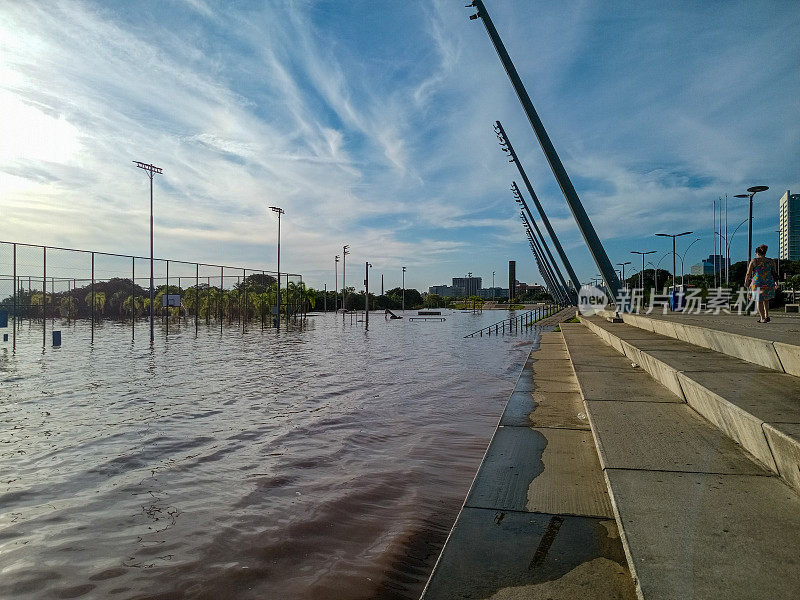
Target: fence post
(92,297)
(14,342)
(196,296)
(133,298)
(44,296)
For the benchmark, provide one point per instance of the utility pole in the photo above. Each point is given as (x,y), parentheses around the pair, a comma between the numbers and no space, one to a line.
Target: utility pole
(564,182)
(325,299)
(150,170)
(279,211)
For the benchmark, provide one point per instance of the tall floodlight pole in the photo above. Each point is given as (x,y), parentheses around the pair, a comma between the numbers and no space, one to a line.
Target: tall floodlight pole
(558,290)
(505,145)
(279,211)
(367,265)
(404,289)
(674,255)
(552,264)
(641,274)
(150,170)
(345,252)
(547,281)
(336,283)
(555,291)
(571,196)
(752,191)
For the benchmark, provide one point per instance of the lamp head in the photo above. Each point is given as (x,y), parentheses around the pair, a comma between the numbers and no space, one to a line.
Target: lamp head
(757,188)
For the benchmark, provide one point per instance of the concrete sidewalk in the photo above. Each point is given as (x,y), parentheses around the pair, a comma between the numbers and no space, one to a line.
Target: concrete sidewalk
(537,522)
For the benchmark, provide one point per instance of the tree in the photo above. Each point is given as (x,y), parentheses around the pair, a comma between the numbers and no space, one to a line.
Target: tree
(99,301)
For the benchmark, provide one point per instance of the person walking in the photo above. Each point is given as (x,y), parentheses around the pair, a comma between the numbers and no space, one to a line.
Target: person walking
(761,280)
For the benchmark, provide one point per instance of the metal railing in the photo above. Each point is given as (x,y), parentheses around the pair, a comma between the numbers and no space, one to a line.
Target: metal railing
(520,322)
(41,283)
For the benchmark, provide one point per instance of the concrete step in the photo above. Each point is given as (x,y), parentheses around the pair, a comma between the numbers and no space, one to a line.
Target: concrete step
(757,407)
(699,518)
(775,345)
(537,522)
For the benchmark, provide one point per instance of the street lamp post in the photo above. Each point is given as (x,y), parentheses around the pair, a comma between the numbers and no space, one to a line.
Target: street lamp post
(752,191)
(279,211)
(641,274)
(336,283)
(492,285)
(683,269)
(150,170)
(622,264)
(674,255)
(404,289)
(730,241)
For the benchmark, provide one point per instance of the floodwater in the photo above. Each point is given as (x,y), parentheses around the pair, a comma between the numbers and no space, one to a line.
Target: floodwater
(324,463)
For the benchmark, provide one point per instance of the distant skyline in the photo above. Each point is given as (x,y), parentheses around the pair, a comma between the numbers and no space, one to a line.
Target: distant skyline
(370,123)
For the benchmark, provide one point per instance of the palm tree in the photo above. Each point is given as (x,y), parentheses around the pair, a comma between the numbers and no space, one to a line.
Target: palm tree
(99,301)
(308,297)
(68,307)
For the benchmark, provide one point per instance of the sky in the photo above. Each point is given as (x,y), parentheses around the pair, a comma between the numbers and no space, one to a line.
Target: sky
(370,123)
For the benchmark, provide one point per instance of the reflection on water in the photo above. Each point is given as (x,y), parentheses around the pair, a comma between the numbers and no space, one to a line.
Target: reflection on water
(323,463)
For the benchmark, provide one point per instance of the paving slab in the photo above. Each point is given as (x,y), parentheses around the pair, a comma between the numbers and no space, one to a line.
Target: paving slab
(571,482)
(541,470)
(710,536)
(512,461)
(497,555)
(558,409)
(664,437)
(556,385)
(518,408)
(630,386)
(737,423)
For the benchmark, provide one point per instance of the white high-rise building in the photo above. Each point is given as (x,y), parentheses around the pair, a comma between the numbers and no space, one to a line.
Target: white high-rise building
(789,215)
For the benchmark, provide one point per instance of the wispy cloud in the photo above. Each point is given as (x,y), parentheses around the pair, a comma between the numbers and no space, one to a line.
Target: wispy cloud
(370,123)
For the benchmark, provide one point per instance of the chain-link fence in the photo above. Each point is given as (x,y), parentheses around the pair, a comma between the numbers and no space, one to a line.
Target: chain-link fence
(41,284)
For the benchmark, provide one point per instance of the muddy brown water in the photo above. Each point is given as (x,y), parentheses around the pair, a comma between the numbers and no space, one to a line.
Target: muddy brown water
(327,462)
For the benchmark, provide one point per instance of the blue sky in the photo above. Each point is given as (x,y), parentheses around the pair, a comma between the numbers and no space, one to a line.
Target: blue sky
(370,123)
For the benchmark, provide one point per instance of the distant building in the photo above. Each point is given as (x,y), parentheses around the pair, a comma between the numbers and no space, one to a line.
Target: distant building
(789,216)
(704,267)
(495,292)
(715,263)
(468,286)
(445,291)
